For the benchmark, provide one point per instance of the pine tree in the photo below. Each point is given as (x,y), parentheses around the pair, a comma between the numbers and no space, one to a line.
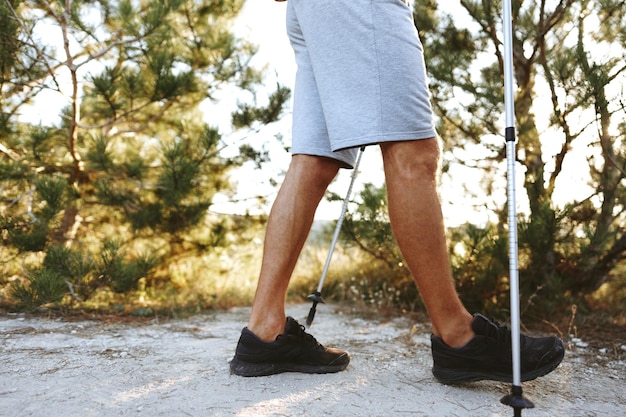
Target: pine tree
(131,166)
(558,52)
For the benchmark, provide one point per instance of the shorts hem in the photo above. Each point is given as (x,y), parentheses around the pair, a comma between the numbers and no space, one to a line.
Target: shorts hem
(381,138)
(345,157)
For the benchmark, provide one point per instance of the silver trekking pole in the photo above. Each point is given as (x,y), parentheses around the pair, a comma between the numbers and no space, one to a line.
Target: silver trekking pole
(515,399)
(316,297)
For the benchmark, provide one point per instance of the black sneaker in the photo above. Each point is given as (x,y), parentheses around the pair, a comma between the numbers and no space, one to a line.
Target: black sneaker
(293,351)
(488,355)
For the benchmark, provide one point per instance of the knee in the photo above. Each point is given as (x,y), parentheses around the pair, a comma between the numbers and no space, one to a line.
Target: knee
(412,159)
(318,171)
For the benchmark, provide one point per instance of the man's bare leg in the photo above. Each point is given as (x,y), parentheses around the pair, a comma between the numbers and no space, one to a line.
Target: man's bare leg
(416,219)
(288,226)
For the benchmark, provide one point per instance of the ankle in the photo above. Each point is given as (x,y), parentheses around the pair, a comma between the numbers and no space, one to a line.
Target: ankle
(457,333)
(458,340)
(266,329)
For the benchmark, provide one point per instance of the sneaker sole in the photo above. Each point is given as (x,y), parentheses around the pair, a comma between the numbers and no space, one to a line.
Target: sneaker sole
(459,376)
(241,368)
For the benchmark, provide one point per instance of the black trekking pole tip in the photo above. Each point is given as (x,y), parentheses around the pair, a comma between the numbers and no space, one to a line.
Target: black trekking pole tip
(516,400)
(311,316)
(316,298)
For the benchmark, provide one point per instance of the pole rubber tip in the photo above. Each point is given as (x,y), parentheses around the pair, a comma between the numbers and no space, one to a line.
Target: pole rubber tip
(516,400)
(311,316)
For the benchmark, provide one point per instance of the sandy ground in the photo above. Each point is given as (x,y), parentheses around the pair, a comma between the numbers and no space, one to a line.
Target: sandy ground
(51,367)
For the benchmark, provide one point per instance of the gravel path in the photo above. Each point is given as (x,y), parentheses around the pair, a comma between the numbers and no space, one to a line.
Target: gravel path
(180,368)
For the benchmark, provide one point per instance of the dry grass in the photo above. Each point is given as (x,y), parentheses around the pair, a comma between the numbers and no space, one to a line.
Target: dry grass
(226,278)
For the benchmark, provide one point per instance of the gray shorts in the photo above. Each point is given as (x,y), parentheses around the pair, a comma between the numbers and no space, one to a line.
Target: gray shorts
(361,78)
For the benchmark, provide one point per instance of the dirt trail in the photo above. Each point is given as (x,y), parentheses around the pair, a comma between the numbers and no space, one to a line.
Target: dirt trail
(180,368)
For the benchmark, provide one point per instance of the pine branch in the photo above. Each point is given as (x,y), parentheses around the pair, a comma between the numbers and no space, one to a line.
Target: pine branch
(9,152)
(40,53)
(70,287)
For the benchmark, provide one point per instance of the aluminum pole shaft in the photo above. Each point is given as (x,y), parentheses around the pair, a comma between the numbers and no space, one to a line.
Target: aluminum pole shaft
(516,398)
(511,191)
(342,215)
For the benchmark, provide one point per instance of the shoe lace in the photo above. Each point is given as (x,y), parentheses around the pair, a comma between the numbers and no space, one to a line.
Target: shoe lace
(305,337)
(502,333)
